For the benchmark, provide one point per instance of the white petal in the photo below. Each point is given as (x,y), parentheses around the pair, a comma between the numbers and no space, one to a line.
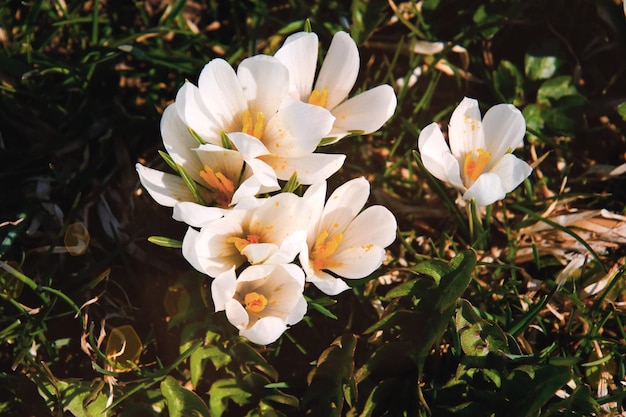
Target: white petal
(289,249)
(258,252)
(193,113)
(339,70)
(486,190)
(328,284)
(248,146)
(512,171)
(165,189)
(376,225)
(264,174)
(297,128)
(277,218)
(357,261)
(225,161)
(298,312)
(299,55)
(343,205)
(222,94)
(189,250)
(365,112)
(179,143)
(237,314)
(465,131)
(504,128)
(223,289)
(314,198)
(196,215)
(311,168)
(265,331)
(436,156)
(265,82)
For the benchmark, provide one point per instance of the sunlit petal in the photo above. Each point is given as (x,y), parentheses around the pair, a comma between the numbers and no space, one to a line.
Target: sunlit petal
(196,215)
(265,331)
(339,70)
(486,190)
(512,171)
(299,55)
(310,168)
(265,81)
(165,189)
(465,131)
(223,288)
(193,113)
(178,142)
(504,128)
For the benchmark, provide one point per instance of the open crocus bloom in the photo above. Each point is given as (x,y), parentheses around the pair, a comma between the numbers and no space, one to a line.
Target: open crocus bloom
(224,177)
(342,239)
(262,301)
(253,108)
(273,232)
(363,113)
(478,162)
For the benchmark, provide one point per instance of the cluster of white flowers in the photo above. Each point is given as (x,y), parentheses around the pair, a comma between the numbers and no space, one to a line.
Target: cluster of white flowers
(231,140)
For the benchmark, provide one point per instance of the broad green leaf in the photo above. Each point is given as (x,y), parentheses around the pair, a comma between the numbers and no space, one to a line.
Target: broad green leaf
(331,379)
(77,397)
(198,359)
(509,82)
(479,337)
(540,385)
(543,60)
(455,281)
(555,89)
(245,354)
(621,109)
(182,402)
(223,390)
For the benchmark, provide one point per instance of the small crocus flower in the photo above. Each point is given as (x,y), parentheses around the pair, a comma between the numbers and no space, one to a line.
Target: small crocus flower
(342,239)
(223,177)
(263,301)
(478,162)
(273,232)
(252,106)
(363,113)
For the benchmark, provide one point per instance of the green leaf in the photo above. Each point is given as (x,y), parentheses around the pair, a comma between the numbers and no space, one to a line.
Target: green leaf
(79,398)
(292,184)
(182,402)
(197,361)
(479,337)
(621,109)
(556,88)
(190,183)
(332,381)
(166,242)
(455,281)
(223,390)
(509,82)
(543,60)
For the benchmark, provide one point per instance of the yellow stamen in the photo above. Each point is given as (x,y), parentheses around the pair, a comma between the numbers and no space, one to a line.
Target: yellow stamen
(253,127)
(223,188)
(323,250)
(474,165)
(319,98)
(255,302)
(241,243)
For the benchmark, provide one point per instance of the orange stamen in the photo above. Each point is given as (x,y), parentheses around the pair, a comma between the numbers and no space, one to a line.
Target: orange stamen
(323,250)
(241,243)
(255,302)
(319,98)
(223,188)
(253,127)
(474,165)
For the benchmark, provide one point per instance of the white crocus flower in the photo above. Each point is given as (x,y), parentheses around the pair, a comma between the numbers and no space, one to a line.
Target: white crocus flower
(478,162)
(342,239)
(273,232)
(363,113)
(224,177)
(253,106)
(262,301)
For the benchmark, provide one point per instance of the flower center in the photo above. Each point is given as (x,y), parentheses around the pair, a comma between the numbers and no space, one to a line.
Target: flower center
(241,243)
(255,302)
(223,188)
(323,250)
(474,165)
(319,98)
(253,126)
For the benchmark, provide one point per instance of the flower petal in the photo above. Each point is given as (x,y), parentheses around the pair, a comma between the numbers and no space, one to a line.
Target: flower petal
(512,171)
(311,168)
(178,142)
(223,288)
(248,146)
(228,162)
(236,314)
(258,252)
(328,284)
(265,82)
(290,247)
(193,113)
(343,205)
(265,331)
(504,128)
(486,190)
(465,131)
(299,55)
(339,70)
(356,262)
(165,189)
(222,94)
(196,215)
(365,112)
(437,158)
(297,128)
(375,225)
